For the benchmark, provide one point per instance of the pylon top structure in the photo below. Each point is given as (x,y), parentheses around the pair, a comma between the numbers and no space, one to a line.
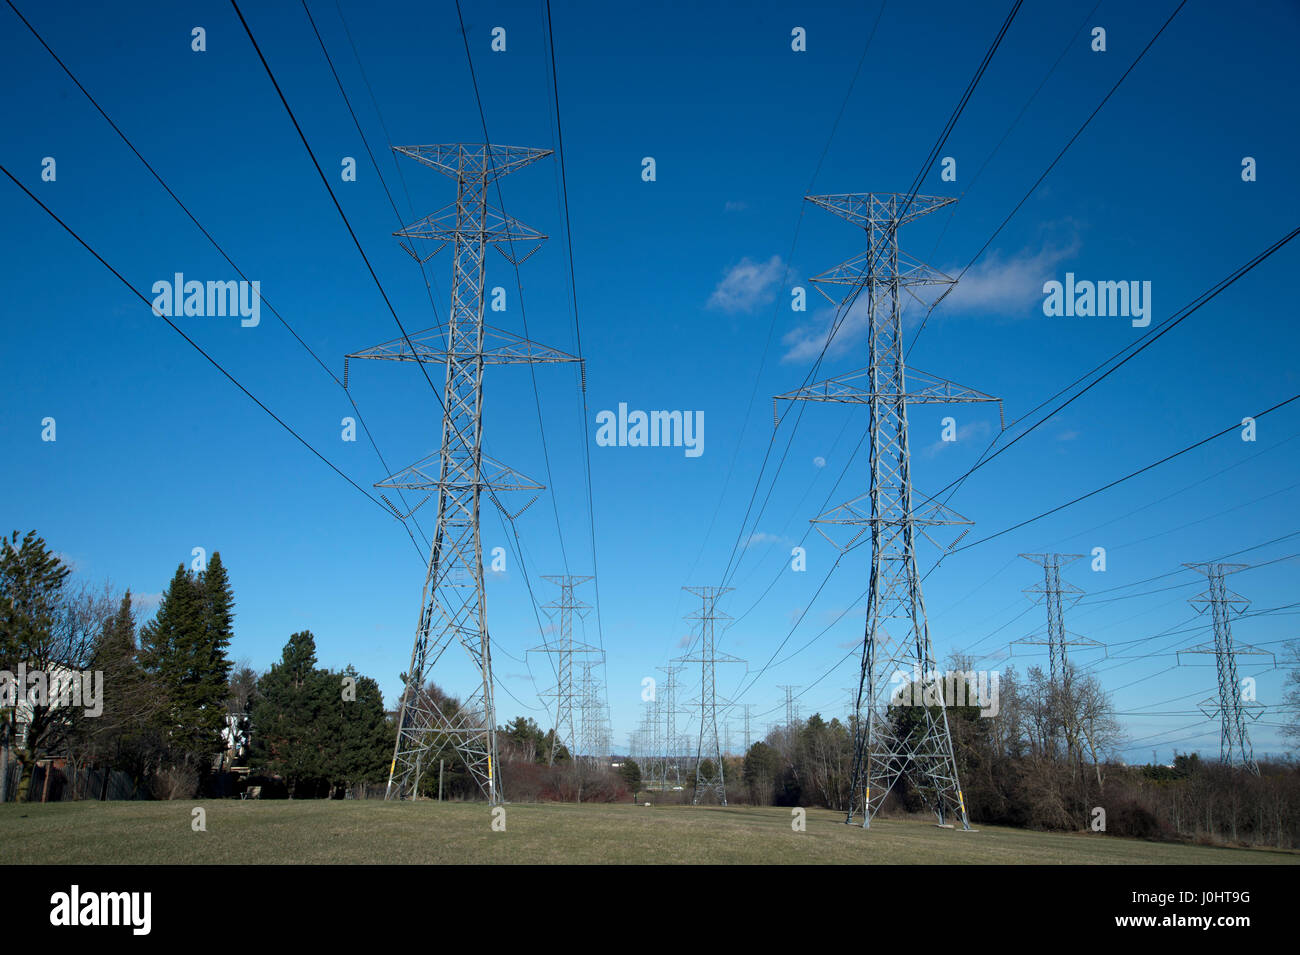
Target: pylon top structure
(1233,705)
(473,162)
(897,635)
(453,608)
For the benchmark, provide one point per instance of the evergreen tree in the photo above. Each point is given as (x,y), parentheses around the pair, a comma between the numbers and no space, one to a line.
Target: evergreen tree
(631,774)
(183,647)
(364,738)
(292,717)
(762,766)
(115,736)
(218,624)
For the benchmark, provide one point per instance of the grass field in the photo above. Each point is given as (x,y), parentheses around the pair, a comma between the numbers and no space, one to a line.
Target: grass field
(359,832)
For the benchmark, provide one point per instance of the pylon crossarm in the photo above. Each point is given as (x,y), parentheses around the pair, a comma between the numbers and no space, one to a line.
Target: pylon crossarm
(500,347)
(497,226)
(486,163)
(876,209)
(459,475)
(855,388)
(911,272)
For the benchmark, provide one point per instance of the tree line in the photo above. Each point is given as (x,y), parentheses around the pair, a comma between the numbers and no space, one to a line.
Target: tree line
(1048,759)
(176,713)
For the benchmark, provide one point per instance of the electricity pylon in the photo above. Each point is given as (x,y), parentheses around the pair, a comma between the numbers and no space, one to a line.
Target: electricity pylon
(1055,593)
(566,728)
(654,765)
(592,741)
(709,750)
(453,607)
(1232,707)
(791,705)
(672,742)
(748,708)
(897,635)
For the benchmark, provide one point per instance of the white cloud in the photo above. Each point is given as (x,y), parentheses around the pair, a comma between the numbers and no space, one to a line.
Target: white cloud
(1010,285)
(759,537)
(975,429)
(141,602)
(1007,285)
(748,284)
(805,342)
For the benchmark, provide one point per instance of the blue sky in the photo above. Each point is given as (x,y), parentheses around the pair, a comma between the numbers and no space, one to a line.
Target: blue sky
(684,303)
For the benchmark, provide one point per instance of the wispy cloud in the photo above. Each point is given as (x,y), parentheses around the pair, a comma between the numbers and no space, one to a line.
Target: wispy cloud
(1010,285)
(759,538)
(141,602)
(805,341)
(735,205)
(747,285)
(1001,284)
(974,429)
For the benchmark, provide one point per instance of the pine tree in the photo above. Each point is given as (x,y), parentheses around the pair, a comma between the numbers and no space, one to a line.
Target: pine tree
(115,658)
(171,650)
(292,717)
(364,742)
(218,620)
(213,665)
(184,647)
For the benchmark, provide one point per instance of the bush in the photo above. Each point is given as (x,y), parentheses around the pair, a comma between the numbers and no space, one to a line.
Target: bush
(175,782)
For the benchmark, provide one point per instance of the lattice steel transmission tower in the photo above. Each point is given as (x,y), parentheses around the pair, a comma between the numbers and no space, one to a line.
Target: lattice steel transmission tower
(709,750)
(593,743)
(566,727)
(897,635)
(672,742)
(791,705)
(453,608)
(748,717)
(1234,741)
(1055,593)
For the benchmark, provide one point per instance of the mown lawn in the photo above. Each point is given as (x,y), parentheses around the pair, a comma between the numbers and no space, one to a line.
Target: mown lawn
(360,832)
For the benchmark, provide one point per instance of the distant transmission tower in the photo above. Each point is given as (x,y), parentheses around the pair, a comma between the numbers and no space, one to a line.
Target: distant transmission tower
(749,739)
(672,742)
(453,607)
(1234,741)
(709,750)
(1055,593)
(593,742)
(791,705)
(897,636)
(566,726)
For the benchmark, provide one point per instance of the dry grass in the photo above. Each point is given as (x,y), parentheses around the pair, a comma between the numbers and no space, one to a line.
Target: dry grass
(360,832)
